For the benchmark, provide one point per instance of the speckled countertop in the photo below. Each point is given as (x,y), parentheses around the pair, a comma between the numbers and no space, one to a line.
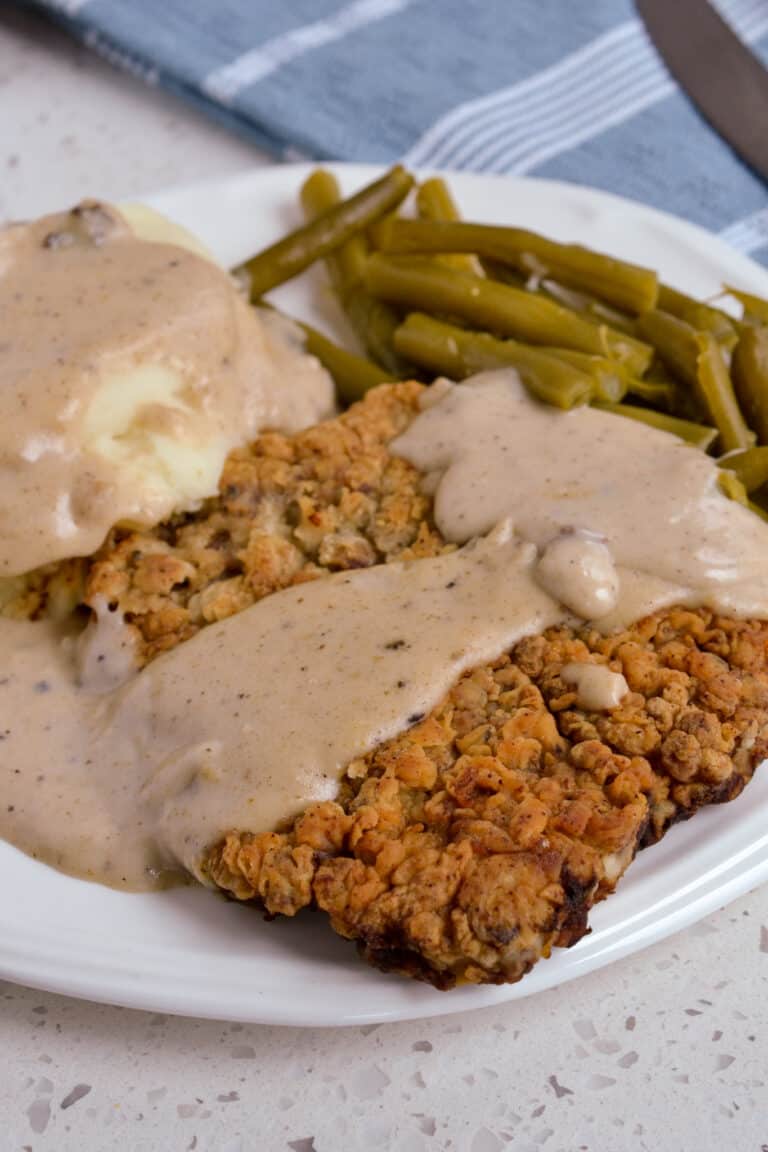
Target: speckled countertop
(665,1051)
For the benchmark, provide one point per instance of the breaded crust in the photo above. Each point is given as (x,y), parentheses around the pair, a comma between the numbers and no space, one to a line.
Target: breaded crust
(466,848)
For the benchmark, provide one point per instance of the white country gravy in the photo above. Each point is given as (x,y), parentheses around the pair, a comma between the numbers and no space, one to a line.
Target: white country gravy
(257,716)
(129,370)
(609,502)
(251,720)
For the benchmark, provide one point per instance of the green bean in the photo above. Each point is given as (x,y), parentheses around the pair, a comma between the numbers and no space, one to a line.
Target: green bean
(699,315)
(698,360)
(576,301)
(506,275)
(459,352)
(663,394)
(750,378)
(717,394)
(497,308)
(757,502)
(373,320)
(671,394)
(668,392)
(378,229)
(353,375)
(609,381)
(750,466)
(697,434)
(675,342)
(659,372)
(296,251)
(730,485)
(455,352)
(582,302)
(627,286)
(319,193)
(435,202)
(755,307)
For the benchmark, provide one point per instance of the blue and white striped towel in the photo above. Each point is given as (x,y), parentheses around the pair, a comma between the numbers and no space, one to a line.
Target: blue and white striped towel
(557,88)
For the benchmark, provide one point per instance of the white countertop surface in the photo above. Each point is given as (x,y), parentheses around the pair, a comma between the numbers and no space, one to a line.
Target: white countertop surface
(665,1051)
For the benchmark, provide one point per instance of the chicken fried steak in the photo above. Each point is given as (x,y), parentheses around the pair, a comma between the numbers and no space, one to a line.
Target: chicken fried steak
(467,847)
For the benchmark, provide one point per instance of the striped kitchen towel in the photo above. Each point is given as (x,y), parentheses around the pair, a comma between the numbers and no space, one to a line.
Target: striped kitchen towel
(554,88)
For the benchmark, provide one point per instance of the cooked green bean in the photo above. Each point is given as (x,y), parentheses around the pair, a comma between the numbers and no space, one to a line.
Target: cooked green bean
(697,434)
(507,275)
(663,394)
(376,323)
(459,352)
(717,394)
(319,193)
(373,320)
(696,357)
(435,202)
(609,381)
(455,352)
(675,342)
(353,375)
(582,302)
(755,307)
(750,466)
(625,285)
(296,251)
(676,360)
(730,485)
(596,310)
(497,308)
(377,229)
(698,314)
(681,398)
(750,378)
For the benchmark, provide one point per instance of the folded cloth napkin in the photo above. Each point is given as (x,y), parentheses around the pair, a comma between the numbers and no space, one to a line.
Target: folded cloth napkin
(553,88)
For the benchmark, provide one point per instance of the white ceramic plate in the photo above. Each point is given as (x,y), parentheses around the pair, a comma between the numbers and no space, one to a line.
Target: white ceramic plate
(189,951)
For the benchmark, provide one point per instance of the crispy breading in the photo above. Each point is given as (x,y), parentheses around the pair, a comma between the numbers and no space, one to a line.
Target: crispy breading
(469,846)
